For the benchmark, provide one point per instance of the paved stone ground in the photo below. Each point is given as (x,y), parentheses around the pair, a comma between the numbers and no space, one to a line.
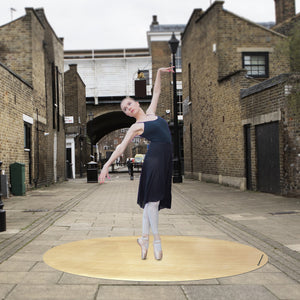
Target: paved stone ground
(76,210)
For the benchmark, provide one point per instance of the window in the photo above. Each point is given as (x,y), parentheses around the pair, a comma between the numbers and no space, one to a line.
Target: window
(178,58)
(27,136)
(179,104)
(146,75)
(256,64)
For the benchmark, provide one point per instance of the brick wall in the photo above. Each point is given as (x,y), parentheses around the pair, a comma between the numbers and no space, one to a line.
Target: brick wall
(200,74)
(291,138)
(75,96)
(161,57)
(52,160)
(16,46)
(229,132)
(15,100)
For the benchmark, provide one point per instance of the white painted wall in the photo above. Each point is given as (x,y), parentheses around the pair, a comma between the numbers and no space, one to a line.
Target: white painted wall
(70,143)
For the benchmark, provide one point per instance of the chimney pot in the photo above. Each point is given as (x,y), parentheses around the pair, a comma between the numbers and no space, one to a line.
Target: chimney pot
(154,20)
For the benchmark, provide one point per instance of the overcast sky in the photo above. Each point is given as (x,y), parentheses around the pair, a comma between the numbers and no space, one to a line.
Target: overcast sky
(111,24)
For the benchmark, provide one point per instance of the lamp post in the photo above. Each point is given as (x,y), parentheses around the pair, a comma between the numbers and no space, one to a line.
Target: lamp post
(80,151)
(2,211)
(91,117)
(177,178)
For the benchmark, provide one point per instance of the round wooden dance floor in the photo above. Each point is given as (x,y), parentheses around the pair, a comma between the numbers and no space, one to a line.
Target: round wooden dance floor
(184,258)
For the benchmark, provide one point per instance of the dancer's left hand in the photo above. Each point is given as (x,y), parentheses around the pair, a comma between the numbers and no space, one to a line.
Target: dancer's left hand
(169,69)
(104,174)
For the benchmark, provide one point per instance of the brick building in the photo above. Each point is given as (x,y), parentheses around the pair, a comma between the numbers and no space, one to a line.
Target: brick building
(223,54)
(75,123)
(32,102)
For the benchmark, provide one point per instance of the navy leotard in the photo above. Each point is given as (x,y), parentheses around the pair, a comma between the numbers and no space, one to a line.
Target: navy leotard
(156,176)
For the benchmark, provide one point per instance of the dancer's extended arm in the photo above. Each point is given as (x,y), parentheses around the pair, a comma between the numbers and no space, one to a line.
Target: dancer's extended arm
(156,90)
(133,131)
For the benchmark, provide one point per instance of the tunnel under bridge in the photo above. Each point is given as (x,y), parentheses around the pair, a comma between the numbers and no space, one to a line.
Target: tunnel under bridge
(108,119)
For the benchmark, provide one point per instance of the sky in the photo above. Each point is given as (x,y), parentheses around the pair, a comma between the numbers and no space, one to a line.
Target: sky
(118,24)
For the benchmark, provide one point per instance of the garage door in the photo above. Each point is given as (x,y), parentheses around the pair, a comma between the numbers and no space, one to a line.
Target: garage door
(268,166)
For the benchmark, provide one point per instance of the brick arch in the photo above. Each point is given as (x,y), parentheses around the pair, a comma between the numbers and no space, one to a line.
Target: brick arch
(109,118)
(106,123)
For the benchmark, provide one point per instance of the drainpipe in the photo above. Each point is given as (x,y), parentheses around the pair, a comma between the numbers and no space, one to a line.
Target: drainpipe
(37,150)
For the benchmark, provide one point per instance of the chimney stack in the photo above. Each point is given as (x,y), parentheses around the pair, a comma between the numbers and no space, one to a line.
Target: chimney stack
(73,67)
(285,9)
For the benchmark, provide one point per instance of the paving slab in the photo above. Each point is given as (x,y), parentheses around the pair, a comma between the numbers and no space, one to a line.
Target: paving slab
(228,292)
(285,291)
(52,292)
(5,289)
(140,292)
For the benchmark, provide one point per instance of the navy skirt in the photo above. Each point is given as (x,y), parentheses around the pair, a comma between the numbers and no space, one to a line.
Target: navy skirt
(156,176)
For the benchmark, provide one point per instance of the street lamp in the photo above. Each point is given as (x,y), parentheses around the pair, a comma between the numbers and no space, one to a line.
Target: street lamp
(2,211)
(177,178)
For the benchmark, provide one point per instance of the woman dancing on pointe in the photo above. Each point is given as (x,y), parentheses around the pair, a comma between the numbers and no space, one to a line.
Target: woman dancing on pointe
(156,176)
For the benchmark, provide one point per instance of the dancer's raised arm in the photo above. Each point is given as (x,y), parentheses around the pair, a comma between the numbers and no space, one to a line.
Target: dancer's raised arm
(156,90)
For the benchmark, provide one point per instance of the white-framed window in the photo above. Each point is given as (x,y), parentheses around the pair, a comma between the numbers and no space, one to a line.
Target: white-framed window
(179,104)
(178,58)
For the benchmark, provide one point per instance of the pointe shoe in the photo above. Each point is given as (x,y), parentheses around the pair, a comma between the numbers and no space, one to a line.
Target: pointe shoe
(144,243)
(158,254)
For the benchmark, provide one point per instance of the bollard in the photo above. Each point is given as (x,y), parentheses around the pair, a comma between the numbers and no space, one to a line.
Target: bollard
(131,170)
(2,211)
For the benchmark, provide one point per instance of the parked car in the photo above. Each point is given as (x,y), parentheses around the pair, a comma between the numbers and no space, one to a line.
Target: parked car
(138,160)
